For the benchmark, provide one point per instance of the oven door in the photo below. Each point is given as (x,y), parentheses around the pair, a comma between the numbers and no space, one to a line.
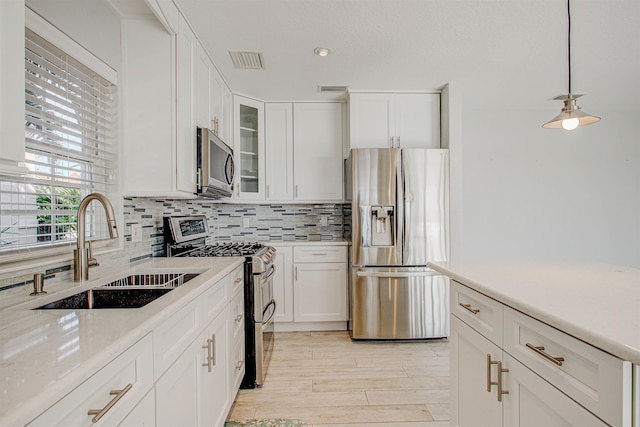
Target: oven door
(265,310)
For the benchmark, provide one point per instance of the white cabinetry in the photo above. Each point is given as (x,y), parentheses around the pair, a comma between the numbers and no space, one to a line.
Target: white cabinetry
(279,152)
(508,369)
(12,17)
(159,75)
(110,394)
(249,149)
(383,120)
(283,283)
(310,287)
(210,98)
(317,156)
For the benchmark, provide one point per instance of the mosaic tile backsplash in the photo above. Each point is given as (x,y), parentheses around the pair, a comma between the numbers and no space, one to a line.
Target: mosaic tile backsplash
(227,222)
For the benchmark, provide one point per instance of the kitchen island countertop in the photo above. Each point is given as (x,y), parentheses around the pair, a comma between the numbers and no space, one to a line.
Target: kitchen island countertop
(596,303)
(46,353)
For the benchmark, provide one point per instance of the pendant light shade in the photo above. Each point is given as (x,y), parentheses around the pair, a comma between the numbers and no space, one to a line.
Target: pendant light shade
(571,116)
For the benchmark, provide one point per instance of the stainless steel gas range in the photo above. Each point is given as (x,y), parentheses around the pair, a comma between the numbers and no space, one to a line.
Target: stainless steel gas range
(186,236)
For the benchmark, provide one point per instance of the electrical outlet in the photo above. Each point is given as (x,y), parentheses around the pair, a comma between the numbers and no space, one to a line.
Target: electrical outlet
(136,233)
(324,221)
(245,223)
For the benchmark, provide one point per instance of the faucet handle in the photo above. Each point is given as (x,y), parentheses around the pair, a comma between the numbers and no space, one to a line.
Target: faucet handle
(91,261)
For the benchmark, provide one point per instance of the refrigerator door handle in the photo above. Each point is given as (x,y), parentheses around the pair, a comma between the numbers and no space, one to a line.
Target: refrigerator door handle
(397,274)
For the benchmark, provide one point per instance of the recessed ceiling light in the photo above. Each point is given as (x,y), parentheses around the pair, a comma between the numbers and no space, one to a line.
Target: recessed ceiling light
(321,51)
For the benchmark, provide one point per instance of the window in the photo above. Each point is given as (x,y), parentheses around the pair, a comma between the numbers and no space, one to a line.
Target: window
(70,123)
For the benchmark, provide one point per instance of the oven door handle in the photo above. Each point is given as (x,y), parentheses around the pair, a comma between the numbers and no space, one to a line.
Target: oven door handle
(272,271)
(272,303)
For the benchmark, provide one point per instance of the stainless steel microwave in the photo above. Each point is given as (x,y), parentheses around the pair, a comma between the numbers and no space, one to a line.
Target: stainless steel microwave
(214,165)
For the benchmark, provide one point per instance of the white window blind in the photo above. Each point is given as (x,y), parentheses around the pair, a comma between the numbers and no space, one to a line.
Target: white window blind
(70,128)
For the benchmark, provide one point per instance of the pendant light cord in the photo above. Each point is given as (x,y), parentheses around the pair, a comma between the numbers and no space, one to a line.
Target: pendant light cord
(569,41)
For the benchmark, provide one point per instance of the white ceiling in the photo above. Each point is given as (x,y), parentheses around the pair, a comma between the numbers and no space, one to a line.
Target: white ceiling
(502,53)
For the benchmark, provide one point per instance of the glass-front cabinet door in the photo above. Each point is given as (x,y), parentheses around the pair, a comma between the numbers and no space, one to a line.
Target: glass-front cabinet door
(249,149)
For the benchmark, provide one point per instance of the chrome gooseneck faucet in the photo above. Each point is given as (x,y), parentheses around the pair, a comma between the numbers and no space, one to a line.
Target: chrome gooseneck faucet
(83,257)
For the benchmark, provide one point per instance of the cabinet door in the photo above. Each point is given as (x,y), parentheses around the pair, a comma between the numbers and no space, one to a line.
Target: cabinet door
(317,157)
(214,396)
(370,120)
(217,98)
(283,284)
(320,292)
(417,120)
(533,402)
(204,91)
(279,151)
(249,149)
(471,404)
(185,154)
(143,415)
(227,115)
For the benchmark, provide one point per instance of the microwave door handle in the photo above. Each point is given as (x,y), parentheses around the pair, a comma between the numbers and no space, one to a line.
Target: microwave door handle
(229,169)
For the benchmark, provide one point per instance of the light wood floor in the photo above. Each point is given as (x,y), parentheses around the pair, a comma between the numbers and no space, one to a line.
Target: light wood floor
(327,380)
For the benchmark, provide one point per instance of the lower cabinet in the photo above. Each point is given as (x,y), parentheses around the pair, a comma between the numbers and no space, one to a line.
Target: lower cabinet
(504,384)
(144,414)
(110,394)
(310,287)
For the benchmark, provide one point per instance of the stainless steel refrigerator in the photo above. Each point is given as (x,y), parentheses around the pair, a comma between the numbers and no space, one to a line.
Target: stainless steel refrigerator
(399,221)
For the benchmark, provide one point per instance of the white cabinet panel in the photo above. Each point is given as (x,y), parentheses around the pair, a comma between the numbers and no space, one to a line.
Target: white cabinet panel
(473,403)
(317,159)
(283,284)
(279,151)
(480,312)
(144,414)
(320,292)
(394,120)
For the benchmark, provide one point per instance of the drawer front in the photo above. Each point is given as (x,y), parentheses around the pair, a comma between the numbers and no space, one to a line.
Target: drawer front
(478,311)
(174,335)
(590,376)
(131,374)
(214,300)
(237,281)
(320,254)
(237,315)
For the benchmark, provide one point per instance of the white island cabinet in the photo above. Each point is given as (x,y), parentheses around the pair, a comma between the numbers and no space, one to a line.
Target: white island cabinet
(542,344)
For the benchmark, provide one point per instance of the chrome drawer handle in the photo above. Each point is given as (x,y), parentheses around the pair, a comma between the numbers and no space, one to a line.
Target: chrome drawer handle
(238,280)
(499,384)
(540,350)
(211,353)
(469,308)
(489,363)
(239,317)
(239,365)
(99,413)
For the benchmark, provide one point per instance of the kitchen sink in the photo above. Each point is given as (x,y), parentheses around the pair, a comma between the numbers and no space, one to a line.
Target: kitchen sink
(132,291)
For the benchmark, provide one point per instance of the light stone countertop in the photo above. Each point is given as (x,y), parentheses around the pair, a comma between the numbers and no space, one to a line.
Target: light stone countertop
(596,303)
(310,242)
(47,353)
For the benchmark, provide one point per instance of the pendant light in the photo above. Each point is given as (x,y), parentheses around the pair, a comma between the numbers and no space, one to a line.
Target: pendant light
(571,115)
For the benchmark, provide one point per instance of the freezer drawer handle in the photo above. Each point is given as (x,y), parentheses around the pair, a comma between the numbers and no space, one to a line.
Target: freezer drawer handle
(407,274)
(540,350)
(99,413)
(469,308)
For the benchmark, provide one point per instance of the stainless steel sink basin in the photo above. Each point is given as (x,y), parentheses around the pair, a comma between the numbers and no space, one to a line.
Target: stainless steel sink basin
(132,291)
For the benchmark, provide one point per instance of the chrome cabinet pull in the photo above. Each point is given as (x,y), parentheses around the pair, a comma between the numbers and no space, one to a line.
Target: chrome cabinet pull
(295,273)
(540,350)
(398,141)
(239,365)
(239,317)
(267,191)
(469,308)
(501,391)
(238,280)
(211,353)
(391,141)
(489,363)
(213,349)
(99,413)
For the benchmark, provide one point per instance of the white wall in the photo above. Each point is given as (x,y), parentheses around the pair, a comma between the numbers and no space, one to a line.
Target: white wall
(532,193)
(94,24)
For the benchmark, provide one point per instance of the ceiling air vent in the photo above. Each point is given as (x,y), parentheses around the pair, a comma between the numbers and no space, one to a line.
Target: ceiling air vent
(332,88)
(250,60)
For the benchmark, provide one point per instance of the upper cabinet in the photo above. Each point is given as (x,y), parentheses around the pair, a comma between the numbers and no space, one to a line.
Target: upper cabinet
(249,149)
(159,111)
(304,151)
(12,145)
(394,120)
(317,152)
